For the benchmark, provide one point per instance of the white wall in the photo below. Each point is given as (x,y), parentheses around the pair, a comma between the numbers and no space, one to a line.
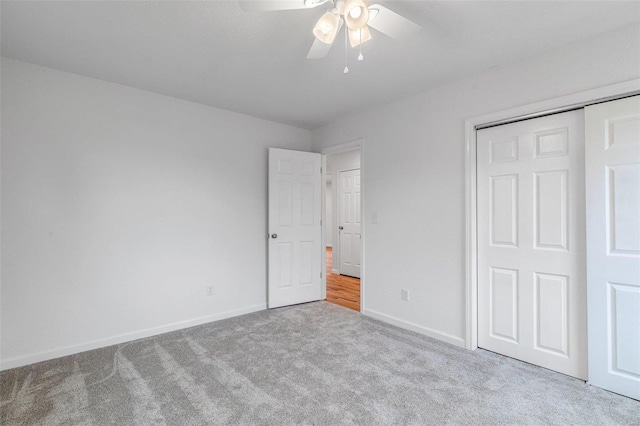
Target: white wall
(414,174)
(336,163)
(119,208)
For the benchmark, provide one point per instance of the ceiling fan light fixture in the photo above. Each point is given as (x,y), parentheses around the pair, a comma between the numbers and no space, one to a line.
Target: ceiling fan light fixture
(327,27)
(359,36)
(356,14)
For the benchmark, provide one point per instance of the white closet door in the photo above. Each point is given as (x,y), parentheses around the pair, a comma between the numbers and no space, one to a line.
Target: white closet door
(613,244)
(531,242)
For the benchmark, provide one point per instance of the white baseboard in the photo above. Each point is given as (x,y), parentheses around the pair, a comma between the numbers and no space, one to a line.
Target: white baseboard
(438,335)
(329,245)
(335,271)
(96,344)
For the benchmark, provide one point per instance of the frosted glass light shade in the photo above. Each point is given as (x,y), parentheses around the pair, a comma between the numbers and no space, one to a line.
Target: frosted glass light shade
(327,27)
(356,14)
(357,37)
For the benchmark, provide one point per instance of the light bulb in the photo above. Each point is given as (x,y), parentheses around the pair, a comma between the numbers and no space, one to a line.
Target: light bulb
(356,14)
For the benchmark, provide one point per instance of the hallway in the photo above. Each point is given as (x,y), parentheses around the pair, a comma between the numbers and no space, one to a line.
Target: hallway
(341,289)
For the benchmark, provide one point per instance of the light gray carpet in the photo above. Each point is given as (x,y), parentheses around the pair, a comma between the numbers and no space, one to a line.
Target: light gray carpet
(309,364)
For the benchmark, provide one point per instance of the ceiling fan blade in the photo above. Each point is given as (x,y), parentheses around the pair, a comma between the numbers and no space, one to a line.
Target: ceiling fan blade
(273,5)
(390,23)
(319,50)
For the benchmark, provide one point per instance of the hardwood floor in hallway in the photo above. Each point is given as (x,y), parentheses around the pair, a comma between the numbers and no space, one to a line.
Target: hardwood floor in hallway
(342,290)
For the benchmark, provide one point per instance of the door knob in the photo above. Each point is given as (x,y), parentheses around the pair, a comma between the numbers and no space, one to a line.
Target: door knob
(274,235)
(341,227)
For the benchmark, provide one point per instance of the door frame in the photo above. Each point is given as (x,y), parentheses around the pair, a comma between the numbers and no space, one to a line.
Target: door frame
(336,149)
(538,109)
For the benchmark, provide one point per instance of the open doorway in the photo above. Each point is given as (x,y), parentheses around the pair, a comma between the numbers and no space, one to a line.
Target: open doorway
(343,228)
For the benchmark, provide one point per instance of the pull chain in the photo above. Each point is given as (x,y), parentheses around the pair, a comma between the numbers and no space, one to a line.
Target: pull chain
(360,57)
(346,67)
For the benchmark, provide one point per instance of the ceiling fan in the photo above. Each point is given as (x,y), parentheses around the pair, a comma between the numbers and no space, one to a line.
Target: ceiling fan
(357,16)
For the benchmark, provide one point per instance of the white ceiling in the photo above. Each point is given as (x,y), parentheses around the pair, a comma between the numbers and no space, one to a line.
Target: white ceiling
(215,53)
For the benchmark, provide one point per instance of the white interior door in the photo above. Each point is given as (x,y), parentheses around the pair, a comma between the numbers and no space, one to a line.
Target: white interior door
(613,244)
(295,241)
(531,242)
(349,228)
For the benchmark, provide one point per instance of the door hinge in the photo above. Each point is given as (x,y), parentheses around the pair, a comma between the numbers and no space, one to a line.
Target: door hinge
(320,275)
(320,170)
(320,222)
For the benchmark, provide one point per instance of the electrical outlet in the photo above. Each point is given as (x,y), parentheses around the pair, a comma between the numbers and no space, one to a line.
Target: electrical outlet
(210,290)
(404,294)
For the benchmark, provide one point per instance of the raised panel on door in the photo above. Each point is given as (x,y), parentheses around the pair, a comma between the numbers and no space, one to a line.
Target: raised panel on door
(346,248)
(294,249)
(623,208)
(504,210)
(308,215)
(624,302)
(284,274)
(307,253)
(552,143)
(613,247)
(347,207)
(551,313)
(504,304)
(622,131)
(503,150)
(531,281)
(551,209)
(285,207)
